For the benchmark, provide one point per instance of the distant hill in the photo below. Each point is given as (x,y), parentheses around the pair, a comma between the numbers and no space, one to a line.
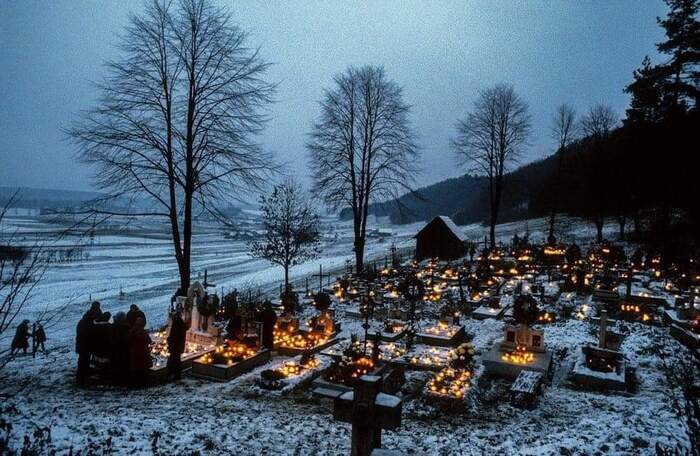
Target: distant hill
(443,198)
(465,198)
(41,198)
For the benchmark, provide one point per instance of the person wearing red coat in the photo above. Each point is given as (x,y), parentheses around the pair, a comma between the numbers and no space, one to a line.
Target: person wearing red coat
(139,353)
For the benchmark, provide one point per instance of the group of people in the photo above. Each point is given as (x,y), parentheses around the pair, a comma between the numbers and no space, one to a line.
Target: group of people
(22,335)
(115,348)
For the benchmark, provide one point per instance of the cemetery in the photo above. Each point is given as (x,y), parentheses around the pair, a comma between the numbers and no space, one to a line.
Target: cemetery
(367,337)
(364,228)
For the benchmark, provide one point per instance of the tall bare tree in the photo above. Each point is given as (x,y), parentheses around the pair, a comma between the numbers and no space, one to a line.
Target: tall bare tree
(362,148)
(564,131)
(596,125)
(291,227)
(178,117)
(490,139)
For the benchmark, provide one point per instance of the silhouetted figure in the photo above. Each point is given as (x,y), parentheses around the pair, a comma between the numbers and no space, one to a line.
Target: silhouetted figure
(21,339)
(268,318)
(120,348)
(83,341)
(133,314)
(39,336)
(139,353)
(234,327)
(102,340)
(176,345)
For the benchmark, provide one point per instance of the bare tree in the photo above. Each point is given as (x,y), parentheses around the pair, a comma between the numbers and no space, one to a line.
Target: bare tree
(291,227)
(564,130)
(175,126)
(490,139)
(596,125)
(362,148)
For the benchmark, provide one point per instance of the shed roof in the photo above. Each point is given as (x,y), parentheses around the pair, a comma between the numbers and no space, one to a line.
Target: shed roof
(452,227)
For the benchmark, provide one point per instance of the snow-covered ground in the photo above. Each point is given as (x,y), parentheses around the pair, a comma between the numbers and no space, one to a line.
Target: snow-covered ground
(39,399)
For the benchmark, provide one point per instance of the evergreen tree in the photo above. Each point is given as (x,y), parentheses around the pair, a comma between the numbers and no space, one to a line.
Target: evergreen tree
(680,76)
(645,90)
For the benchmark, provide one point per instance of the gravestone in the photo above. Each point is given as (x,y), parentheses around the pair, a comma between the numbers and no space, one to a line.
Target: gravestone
(369,410)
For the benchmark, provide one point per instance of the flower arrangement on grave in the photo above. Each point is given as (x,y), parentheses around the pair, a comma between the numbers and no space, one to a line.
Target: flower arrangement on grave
(289,300)
(322,301)
(207,306)
(350,367)
(453,381)
(525,309)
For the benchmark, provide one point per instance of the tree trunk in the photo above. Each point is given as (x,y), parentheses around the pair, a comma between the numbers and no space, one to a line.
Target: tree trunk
(622,221)
(637,220)
(550,238)
(359,254)
(286,277)
(599,221)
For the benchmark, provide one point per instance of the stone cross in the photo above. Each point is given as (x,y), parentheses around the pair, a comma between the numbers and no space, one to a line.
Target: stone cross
(369,410)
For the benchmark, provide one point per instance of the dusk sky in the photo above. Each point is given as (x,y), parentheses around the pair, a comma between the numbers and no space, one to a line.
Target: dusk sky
(442,53)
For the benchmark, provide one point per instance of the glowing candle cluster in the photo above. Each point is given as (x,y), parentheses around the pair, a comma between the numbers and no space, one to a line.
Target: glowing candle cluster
(228,354)
(293,368)
(520,356)
(450,382)
(298,339)
(442,329)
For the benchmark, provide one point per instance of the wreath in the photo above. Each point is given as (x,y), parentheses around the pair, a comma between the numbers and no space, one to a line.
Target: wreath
(322,301)
(412,288)
(207,307)
(462,357)
(525,309)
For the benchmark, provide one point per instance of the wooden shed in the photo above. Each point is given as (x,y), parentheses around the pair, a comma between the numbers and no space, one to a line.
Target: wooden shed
(442,239)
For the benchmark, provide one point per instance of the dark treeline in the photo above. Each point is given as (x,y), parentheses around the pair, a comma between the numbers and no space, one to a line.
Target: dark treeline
(640,174)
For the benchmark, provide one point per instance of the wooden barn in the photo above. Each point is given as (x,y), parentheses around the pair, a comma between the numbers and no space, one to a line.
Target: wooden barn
(442,239)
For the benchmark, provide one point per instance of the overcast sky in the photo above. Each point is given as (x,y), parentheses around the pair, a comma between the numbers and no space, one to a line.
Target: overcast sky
(442,53)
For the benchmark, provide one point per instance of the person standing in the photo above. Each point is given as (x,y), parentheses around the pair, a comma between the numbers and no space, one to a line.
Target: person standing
(39,336)
(176,345)
(103,335)
(133,314)
(139,353)
(268,318)
(120,349)
(84,335)
(21,339)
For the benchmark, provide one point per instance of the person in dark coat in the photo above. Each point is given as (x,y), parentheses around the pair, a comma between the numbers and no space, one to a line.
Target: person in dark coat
(21,339)
(234,327)
(84,341)
(139,353)
(120,349)
(268,318)
(176,345)
(39,336)
(133,314)
(103,335)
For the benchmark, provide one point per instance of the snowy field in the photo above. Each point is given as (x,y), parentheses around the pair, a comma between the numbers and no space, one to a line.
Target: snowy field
(38,397)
